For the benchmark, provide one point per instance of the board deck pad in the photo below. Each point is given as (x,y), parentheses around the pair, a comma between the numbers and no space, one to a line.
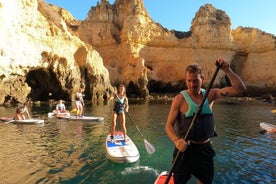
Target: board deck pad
(116,143)
(120,151)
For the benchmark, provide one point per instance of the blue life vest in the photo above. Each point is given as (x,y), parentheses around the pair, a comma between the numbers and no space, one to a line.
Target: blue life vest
(203,127)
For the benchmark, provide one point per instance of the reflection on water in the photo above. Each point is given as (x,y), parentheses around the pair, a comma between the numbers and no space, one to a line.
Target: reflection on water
(62,151)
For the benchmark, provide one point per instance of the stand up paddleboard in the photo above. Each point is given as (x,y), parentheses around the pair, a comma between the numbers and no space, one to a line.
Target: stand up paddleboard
(83,118)
(28,121)
(119,151)
(162,178)
(267,126)
(23,121)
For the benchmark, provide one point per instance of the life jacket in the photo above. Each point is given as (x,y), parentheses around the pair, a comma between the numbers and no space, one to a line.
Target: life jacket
(203,127)
(119,104)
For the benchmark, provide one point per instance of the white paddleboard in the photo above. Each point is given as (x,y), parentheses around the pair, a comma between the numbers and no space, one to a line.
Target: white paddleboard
(83,118)
(28,121)
(119,151)
(267,126)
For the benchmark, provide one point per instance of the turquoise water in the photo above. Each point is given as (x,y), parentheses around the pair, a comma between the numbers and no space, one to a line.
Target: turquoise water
(73,152)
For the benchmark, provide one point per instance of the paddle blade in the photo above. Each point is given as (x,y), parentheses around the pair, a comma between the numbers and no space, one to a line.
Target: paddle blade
(150,149)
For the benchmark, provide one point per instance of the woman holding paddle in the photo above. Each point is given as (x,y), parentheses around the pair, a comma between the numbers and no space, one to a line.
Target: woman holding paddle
(120,105)
(190,123)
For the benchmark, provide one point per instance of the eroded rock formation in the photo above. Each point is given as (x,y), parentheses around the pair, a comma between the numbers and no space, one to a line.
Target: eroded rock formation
(46,53)
(138,51)
(42,58)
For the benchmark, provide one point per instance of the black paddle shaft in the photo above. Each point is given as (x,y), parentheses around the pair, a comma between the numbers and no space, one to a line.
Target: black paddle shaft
(193,120)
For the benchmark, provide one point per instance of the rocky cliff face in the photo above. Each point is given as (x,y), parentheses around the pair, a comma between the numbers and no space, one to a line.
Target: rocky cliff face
(46,53)
(140,52)
(42,58)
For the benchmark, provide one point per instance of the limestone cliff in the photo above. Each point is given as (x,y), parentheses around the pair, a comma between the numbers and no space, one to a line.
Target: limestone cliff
(40,56)
(45,53)
(146,56)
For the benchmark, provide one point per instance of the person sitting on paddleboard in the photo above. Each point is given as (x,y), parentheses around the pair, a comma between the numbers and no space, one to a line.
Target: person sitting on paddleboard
(60,107)
(120,105)
(19,113)
(79,102)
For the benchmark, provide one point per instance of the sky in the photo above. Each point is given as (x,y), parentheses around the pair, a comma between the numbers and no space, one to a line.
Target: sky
(178,14)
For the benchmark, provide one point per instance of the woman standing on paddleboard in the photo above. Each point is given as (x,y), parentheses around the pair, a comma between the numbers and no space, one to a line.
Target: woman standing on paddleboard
(120,105)
(79,102)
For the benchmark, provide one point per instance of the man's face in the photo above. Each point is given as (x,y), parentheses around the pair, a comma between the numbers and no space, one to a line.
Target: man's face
(194,82)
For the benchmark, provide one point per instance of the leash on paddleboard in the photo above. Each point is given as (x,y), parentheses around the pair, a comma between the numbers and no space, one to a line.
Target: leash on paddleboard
(193,120)
(149,147)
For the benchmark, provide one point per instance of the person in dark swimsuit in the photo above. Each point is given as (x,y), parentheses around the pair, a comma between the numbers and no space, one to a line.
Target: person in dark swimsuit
(120,105)
(196,153)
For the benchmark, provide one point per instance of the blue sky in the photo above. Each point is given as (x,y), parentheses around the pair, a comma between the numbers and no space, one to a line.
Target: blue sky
(178,14)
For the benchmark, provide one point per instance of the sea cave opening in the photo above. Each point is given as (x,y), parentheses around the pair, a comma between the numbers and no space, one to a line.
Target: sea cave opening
(45,85)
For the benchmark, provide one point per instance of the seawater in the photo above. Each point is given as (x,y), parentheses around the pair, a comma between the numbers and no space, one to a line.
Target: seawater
(62,151)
